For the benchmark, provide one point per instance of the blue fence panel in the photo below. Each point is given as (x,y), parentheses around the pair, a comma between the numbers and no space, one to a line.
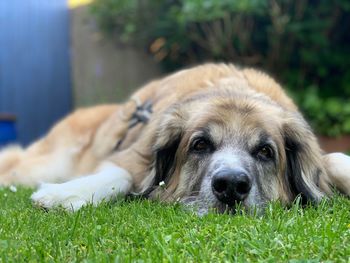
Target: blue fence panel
(34,64)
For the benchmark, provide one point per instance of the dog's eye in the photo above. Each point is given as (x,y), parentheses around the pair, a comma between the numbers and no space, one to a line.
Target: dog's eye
(201,145)
(265,153)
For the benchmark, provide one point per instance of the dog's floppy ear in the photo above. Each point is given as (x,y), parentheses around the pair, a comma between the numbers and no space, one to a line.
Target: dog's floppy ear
(304,168)
(167,139)
(165,155)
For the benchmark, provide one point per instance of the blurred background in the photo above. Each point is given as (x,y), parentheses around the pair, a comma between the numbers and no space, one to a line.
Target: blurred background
(58,55)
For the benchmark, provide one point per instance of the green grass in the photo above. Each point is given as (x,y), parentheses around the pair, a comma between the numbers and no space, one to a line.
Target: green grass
(149,231)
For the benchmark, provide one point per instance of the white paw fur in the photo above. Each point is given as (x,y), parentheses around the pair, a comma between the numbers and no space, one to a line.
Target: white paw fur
(109,182)
(338,167)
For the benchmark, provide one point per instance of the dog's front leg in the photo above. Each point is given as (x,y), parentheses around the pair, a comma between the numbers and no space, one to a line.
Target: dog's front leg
(108,182)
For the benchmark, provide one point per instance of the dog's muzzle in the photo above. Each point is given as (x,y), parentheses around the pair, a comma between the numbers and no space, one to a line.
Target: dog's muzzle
(231,186)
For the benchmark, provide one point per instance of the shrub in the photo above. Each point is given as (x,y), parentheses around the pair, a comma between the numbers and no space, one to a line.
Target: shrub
(302,43)
(328,116)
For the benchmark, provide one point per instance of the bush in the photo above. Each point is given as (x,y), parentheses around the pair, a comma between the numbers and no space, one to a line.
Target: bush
(328,116)
(302,43)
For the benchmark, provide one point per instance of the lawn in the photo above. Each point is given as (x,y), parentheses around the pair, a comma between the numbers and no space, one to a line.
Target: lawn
(142,230)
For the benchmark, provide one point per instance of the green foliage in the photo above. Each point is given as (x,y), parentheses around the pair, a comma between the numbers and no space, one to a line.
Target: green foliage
(303,43)
(145,231)
(329,116)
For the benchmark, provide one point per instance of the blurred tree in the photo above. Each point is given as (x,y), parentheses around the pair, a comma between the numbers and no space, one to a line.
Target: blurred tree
(304,43)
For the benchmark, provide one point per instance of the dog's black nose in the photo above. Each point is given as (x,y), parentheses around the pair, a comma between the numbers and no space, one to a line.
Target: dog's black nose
(231,186)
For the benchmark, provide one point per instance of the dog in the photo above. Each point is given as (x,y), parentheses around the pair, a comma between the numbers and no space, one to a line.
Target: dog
(210,137)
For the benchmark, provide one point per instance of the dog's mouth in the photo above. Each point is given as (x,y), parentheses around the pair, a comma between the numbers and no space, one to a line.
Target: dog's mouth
(203,207)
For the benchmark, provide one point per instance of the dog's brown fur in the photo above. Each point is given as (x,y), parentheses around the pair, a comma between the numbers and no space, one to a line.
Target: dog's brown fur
(80,142)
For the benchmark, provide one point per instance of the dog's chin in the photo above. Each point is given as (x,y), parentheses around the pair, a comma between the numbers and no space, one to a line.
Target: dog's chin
(211,205)
(202,206)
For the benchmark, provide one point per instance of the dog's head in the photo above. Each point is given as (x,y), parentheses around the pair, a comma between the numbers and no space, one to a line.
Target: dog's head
(219,149)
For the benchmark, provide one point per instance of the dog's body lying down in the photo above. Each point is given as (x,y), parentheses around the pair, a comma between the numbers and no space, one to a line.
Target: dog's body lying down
(211,136)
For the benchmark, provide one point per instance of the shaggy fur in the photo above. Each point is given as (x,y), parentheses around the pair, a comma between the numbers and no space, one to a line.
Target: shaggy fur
(218,136)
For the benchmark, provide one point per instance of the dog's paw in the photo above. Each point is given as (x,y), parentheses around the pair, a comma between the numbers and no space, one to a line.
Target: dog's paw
(54,195)
(106,184)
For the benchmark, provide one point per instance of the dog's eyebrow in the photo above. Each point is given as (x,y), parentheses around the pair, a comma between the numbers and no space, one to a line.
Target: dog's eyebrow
(263,139)
(202,132)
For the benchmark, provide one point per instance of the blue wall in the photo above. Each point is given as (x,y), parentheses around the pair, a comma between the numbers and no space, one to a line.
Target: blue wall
(34,64)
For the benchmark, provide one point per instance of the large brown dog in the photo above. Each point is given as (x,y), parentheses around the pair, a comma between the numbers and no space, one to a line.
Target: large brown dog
(211,136)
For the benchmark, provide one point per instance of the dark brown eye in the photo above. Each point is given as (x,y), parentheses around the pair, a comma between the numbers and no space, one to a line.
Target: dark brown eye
(265,153)
(201,145)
